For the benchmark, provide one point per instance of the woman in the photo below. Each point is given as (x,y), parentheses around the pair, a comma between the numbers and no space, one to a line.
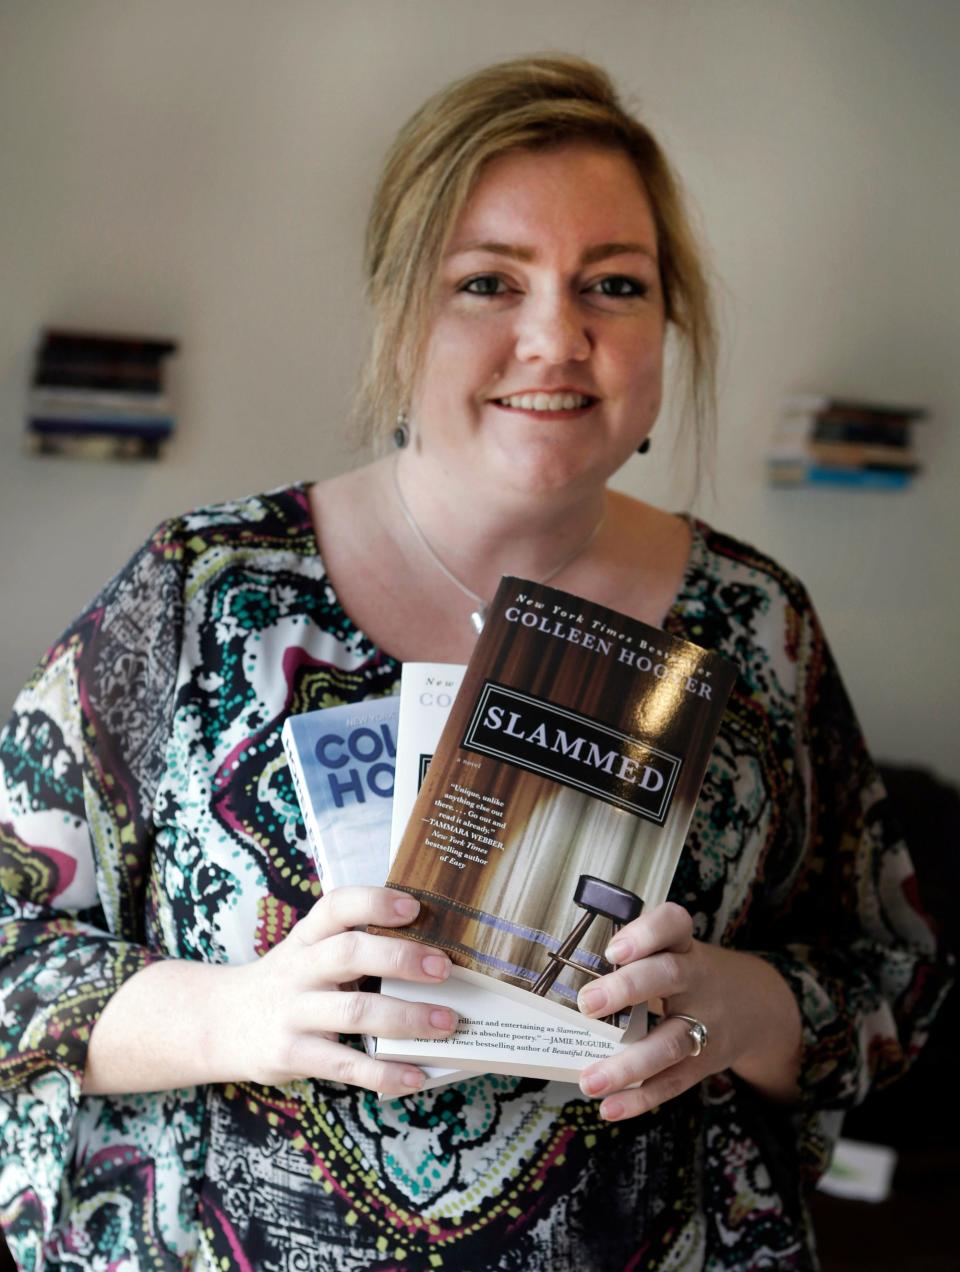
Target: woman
(178,1090)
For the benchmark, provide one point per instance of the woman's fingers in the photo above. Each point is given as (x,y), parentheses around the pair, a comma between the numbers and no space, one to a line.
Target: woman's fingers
(312,1055)
(337,1012)
(345,908)
(349,956)
(647,1073)
(665,927)
(656,976)
(652,954)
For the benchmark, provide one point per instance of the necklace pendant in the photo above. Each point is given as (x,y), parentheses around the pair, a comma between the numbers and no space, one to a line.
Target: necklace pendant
(478,618)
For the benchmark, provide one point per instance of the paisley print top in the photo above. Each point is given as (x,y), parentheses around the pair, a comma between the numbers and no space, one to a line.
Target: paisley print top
(146,812)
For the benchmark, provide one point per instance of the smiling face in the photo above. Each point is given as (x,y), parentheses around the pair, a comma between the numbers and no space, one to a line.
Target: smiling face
(543,365)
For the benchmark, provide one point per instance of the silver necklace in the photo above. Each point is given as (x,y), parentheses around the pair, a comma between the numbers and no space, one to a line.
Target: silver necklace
(479,616)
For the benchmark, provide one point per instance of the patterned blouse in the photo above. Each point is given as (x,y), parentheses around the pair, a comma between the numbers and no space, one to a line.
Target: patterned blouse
(146,812)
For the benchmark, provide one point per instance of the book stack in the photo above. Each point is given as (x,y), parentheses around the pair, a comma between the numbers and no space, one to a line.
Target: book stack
(827,441)
(540,800)
(99,396)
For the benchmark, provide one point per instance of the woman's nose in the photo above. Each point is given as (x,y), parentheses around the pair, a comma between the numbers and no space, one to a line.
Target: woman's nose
(552,329)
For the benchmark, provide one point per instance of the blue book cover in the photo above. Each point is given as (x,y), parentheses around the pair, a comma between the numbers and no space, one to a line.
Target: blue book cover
(343,761)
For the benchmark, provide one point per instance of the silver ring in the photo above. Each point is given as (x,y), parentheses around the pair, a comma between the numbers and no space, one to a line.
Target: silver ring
(699,1034)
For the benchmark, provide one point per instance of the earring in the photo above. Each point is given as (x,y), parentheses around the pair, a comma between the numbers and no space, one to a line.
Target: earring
(644,446)
(401,434)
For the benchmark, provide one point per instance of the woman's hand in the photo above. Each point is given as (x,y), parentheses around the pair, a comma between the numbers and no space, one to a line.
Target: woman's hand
(298,998)
(179,1023)
(750,1013)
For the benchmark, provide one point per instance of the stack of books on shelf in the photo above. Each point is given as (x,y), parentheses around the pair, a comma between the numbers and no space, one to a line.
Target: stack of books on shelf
(828,441)
(99,396)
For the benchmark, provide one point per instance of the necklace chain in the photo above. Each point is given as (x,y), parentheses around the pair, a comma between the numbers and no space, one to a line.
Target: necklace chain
(479,615)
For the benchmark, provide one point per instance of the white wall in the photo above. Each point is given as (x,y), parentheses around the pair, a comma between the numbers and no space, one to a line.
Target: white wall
(201,168)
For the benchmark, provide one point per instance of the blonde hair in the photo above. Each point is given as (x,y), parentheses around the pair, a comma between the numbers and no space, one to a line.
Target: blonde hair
(526,103)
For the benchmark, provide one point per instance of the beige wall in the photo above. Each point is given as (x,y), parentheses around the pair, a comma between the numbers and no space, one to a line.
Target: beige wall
(202,167)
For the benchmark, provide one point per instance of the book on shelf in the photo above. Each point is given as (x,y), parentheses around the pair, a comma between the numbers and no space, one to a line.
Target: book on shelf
(883,430)
(68,402)
(823,404)
(89,411)
(91,344)
(558,799)
(128,377)
(844,455)
(494,1034)
(153,427)
(100,361)
(804,474)
(95,445)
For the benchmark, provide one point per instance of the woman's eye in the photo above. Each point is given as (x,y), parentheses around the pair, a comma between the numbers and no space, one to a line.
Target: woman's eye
(622,286)
(484,285)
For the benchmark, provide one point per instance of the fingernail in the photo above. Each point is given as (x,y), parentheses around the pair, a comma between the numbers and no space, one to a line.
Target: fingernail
(443,1020)
(611,1110)
(592,999)
(618,951)
(593,1083)
(436,965)
(406,907)
(412,1078)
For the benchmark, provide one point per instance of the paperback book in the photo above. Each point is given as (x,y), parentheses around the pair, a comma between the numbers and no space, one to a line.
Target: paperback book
(342,760)
(557,803)
(494,1034)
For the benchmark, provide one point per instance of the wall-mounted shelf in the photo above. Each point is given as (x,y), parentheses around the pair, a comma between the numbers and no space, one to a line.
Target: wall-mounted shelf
(99,396)
(843,442)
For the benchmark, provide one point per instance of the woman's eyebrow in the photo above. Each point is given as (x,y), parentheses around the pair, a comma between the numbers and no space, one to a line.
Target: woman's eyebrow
(599,252)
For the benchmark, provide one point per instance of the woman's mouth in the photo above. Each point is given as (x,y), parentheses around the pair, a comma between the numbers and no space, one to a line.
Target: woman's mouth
(547,404)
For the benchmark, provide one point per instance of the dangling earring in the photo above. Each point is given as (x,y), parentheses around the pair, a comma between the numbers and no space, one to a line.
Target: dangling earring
(644,446)
(401,434)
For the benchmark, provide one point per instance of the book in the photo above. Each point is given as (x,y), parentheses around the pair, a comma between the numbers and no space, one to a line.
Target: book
(101,361)
(91,344)
(427,692)
(68,403)
(155,428)
(844,455)
(810,474)
(342,761)
(93,446)
(825,404)
(494,1033)
(559,796)
(881,430)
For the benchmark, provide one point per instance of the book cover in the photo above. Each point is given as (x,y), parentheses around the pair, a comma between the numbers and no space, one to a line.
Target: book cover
(560,794)
(494,1034)
(342,760)
(427,692)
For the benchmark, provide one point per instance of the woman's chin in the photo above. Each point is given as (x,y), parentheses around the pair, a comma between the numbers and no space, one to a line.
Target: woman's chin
(541,473)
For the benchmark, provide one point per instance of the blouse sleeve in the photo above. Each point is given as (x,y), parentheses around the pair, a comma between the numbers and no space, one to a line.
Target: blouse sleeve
(80,761)
(852,940)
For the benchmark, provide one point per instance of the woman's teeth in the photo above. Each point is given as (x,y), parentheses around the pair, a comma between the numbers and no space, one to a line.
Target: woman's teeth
(546,401)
